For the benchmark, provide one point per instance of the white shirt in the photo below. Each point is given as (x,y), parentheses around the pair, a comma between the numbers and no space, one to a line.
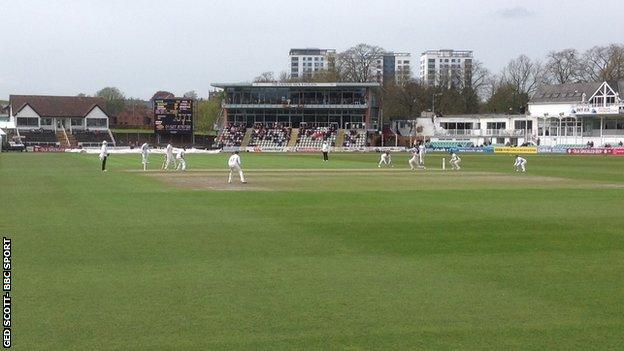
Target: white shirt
(104,151)
(181,154)
(520,160)
(421,149)
(144,148)
(385,156)
(169,150)
(325,147)
(234,160)
(454,157)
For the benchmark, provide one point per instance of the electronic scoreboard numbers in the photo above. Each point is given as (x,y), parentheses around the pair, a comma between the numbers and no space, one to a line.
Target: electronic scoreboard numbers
(173,116)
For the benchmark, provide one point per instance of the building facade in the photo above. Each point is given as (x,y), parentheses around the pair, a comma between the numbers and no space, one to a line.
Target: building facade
(314,104)
(393,66)
(446,67)
(558,115)
(58,112)
(304,63)
(579,113)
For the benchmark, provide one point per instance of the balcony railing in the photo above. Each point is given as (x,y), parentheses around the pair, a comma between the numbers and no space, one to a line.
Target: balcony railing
(486,132)
(356,105)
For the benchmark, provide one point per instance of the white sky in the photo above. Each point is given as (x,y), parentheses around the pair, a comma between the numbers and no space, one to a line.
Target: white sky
(65,47)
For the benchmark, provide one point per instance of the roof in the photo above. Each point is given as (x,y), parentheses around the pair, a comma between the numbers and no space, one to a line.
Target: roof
(310,51)
(57,106)
(294,85)
(564,93)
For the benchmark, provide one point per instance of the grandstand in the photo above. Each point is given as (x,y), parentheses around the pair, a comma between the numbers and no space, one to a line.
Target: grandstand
(313,137)
(65,121)
(355,138)
(231,135)
(269,135)
(30,137)
(91,137)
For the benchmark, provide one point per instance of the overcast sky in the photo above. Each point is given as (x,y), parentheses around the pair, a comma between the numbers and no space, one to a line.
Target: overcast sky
(65,47)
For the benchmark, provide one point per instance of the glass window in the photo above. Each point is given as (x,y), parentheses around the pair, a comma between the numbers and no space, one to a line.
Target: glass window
(46,121)
(96,122)
(76,121)
(28,121)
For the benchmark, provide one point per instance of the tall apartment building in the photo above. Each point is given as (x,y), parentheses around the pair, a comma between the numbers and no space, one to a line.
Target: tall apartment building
(446,67)
(393,66)
(306,62)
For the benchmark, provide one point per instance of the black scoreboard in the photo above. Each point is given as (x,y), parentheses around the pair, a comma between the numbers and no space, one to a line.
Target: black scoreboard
(173,116)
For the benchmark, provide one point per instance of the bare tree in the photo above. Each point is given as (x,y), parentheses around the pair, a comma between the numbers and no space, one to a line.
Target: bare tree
(190,95)
(265,77)
(563,67)
(523,74)
(284,77)
(358,63)
(604,63)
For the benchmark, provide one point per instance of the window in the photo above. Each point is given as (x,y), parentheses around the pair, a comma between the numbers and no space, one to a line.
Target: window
(27,121)
(76,122)
(46,121)
(96,122)
(496,125)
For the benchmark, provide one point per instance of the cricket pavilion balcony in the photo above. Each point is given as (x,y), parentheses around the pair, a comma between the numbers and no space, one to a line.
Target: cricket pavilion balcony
(441,132)
(298,95)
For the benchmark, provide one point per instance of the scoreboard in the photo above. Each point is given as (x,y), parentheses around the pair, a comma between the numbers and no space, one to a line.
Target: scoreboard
(173,116)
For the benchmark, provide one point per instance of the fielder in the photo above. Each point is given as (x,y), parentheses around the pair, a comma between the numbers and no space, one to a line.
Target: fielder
(455,161)
(235,166)
(520,164)
(421,155)
(144,155)
(104,155)
(181,157)
(413,162)
(169,159)
(385,160)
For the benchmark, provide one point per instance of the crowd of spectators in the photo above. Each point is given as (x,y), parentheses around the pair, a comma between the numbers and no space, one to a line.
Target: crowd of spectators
(355,138)
(270,134)
(315,136)
(231,135)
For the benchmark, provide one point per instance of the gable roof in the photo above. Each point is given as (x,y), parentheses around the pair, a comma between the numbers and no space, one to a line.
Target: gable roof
(564,93)
(57,106)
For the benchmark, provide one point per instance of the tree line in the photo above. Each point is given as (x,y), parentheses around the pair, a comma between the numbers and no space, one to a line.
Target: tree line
(482,91)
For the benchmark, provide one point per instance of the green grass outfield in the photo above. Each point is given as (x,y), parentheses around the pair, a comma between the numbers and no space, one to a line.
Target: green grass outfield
(338,256)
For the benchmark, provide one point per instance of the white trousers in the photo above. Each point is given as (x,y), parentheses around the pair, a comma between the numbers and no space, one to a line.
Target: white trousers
(168,162)
(385,161)
(236,168)
(144,161)
(413,163)
(181,165)
(521,167)
(455,164)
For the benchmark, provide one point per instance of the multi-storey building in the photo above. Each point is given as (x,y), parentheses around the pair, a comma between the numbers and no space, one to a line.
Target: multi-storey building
(393,66)
(450,68)
(306,62)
